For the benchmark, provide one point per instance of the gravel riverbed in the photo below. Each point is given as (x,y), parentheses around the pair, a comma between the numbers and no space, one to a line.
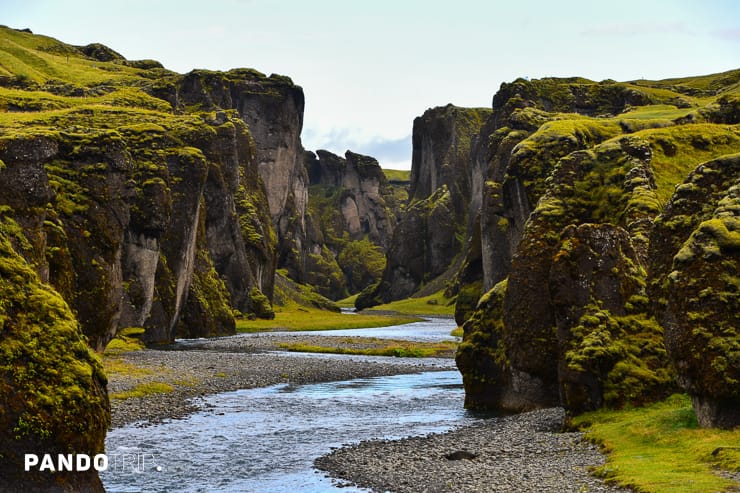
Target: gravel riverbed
(523,453)
(205,367)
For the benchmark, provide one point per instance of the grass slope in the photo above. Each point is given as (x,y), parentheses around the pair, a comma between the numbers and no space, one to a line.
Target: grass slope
(297,318)
(660,448)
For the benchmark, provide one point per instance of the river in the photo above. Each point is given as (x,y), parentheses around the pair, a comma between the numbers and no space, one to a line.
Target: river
(266,439)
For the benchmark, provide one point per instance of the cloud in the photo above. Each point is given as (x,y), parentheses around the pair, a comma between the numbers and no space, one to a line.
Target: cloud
(637,29)
(732,34)
(390,152)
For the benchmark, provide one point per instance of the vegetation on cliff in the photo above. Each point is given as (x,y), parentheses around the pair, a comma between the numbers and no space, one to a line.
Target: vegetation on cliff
(52,386)
(582,182)
(153,212)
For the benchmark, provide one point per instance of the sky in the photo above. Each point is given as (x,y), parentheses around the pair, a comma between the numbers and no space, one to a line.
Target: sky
(369,67)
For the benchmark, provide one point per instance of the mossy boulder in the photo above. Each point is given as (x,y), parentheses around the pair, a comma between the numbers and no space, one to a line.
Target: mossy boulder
(52,387)
(481,357)
(261,304)
(696,247)
(611,352)
(567,211)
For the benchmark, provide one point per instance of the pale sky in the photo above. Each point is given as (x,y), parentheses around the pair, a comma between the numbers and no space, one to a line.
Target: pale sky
(368,68)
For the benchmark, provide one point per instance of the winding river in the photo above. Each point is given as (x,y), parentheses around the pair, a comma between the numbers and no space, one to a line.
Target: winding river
(266,439)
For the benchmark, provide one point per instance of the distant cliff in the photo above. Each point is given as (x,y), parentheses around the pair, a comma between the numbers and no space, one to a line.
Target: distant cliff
(433,226)
(353,211)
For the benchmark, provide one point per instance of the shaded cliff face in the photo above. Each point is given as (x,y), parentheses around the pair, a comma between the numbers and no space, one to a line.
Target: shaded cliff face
(272,107)
(53,397)
(352,216)
(432,228)
(137,215)
(364,193)
(567,237)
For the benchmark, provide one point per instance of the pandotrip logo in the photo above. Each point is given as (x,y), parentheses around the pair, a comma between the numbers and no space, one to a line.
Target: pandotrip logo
(65,462)
(118,463)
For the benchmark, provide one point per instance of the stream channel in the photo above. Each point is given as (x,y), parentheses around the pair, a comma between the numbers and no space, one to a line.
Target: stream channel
(266,439)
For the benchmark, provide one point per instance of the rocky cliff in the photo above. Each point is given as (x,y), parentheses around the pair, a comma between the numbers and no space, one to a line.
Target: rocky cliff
(53,397)
(130,196)
(142,192)
(272,107)
(693,282)
(587,302)
(353,211)
(433,227)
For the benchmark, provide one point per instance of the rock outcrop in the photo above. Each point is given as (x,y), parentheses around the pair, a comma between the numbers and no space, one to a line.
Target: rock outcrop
(694,255)
(432,229)
(366,199)
(352,215)
(272,107)
(53,397)
(143,205)
(566,236)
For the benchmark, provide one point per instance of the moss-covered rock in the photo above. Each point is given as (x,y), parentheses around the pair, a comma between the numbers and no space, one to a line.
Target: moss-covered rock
(434,226)
(352,213)
(694,283)
(611,352)
(481,357)
(114,193)
(574,175)
(52,387)
(422,247)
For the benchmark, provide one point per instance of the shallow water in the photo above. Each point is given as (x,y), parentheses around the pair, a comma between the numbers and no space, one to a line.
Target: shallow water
(430,330)
(265,440)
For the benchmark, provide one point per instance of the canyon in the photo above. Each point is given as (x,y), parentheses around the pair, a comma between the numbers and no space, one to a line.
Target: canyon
(588,233)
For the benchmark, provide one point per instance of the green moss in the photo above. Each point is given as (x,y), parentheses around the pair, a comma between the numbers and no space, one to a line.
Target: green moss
(296,317)
(51,382)
(397,175)
(128,339)
(261,304)
(379,347)
(625,352)
(678,150)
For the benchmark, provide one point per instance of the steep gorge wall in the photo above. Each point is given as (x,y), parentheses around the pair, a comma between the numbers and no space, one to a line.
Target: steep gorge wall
(121,226)
(431,231)
(272,107)
(556,298)
(152,210)
(353,211)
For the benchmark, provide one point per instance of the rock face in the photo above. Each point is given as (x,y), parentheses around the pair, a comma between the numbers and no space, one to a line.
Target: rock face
(569,227)
(53,397)
(123,226)
(365,193)
(695,247)
(428,237)
(149,210)
(272,107)
(352,215)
